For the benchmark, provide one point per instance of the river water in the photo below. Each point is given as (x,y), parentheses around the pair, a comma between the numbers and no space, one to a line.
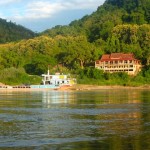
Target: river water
(84,120)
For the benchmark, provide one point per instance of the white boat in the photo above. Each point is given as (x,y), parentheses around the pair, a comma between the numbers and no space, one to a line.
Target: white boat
(54,81)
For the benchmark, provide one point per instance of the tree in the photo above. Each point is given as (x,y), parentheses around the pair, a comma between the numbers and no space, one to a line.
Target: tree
(79,50)
(39,64)
(130,39)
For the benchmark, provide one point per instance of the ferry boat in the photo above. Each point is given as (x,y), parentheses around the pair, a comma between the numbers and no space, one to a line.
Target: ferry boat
(54,81)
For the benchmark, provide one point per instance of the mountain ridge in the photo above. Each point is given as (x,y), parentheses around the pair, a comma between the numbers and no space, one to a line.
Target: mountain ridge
(10,32)
(108,15)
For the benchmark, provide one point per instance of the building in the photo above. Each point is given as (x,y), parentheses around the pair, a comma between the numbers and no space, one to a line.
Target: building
(119,62)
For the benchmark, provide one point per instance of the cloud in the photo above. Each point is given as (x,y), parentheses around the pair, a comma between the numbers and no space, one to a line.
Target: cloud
(5,2)
(42,9)
(46,8)
(41,14)
(82,4)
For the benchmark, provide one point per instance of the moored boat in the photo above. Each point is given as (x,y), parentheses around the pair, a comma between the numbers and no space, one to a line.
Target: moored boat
(54,81)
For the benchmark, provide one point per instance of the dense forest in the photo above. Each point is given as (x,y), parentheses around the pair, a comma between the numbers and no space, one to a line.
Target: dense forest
(9,32)
(100,23)
(116,26)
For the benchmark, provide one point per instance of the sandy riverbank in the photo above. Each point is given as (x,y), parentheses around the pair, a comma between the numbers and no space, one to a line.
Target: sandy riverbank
(96,87)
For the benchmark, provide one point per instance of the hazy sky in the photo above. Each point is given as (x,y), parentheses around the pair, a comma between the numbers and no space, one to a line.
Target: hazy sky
(39,15)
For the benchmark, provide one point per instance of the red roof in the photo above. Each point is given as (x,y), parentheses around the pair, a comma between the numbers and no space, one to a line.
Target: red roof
(117,56)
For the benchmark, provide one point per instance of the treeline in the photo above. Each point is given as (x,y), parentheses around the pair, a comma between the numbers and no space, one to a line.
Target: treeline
(75,52)
(9,32)
(91,75)
(35,54)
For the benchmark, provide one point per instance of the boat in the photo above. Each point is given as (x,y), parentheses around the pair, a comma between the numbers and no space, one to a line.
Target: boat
(54,81)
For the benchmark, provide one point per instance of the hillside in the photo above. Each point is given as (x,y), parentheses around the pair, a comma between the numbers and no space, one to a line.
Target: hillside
(129,19)
(116,26)
(11,32)
(100,23)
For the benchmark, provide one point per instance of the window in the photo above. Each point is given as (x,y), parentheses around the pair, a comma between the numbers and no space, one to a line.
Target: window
(130,69)
(97,62)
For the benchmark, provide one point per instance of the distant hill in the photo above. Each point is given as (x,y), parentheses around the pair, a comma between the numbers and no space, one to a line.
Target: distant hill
(11,32)
(100,23)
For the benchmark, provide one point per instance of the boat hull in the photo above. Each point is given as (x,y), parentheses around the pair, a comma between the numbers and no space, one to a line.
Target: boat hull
(44,86)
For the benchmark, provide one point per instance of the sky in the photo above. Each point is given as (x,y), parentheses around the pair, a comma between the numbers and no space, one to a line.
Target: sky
(39,15)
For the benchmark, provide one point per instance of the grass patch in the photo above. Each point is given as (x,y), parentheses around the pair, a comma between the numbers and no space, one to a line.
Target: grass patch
(13,76)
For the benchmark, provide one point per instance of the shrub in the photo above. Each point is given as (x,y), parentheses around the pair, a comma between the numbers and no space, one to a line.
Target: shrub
(13,76)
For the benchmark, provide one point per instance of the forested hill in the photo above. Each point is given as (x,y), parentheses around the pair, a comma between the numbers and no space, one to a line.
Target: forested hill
(116,26)
(100,23)
(11,32)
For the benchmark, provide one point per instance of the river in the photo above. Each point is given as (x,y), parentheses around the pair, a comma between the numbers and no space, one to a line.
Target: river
(71,120)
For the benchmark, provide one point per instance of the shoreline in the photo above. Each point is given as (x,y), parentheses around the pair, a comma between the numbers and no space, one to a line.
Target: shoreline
(105,87)
(80,87)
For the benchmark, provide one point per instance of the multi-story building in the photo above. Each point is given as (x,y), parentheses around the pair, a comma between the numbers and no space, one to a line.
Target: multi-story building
(119,62)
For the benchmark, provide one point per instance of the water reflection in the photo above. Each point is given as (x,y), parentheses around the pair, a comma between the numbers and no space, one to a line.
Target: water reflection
(105,119)
(54,97)
(91,97)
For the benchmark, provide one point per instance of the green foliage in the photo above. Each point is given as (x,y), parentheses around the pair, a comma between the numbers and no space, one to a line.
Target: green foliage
(39,64)
(146,73)
(78,52)
(97,77)
(62,30)
(13,76)
(116,26)
(137,11)
(11,32)
(100,23)
(90,72)
(131,39)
